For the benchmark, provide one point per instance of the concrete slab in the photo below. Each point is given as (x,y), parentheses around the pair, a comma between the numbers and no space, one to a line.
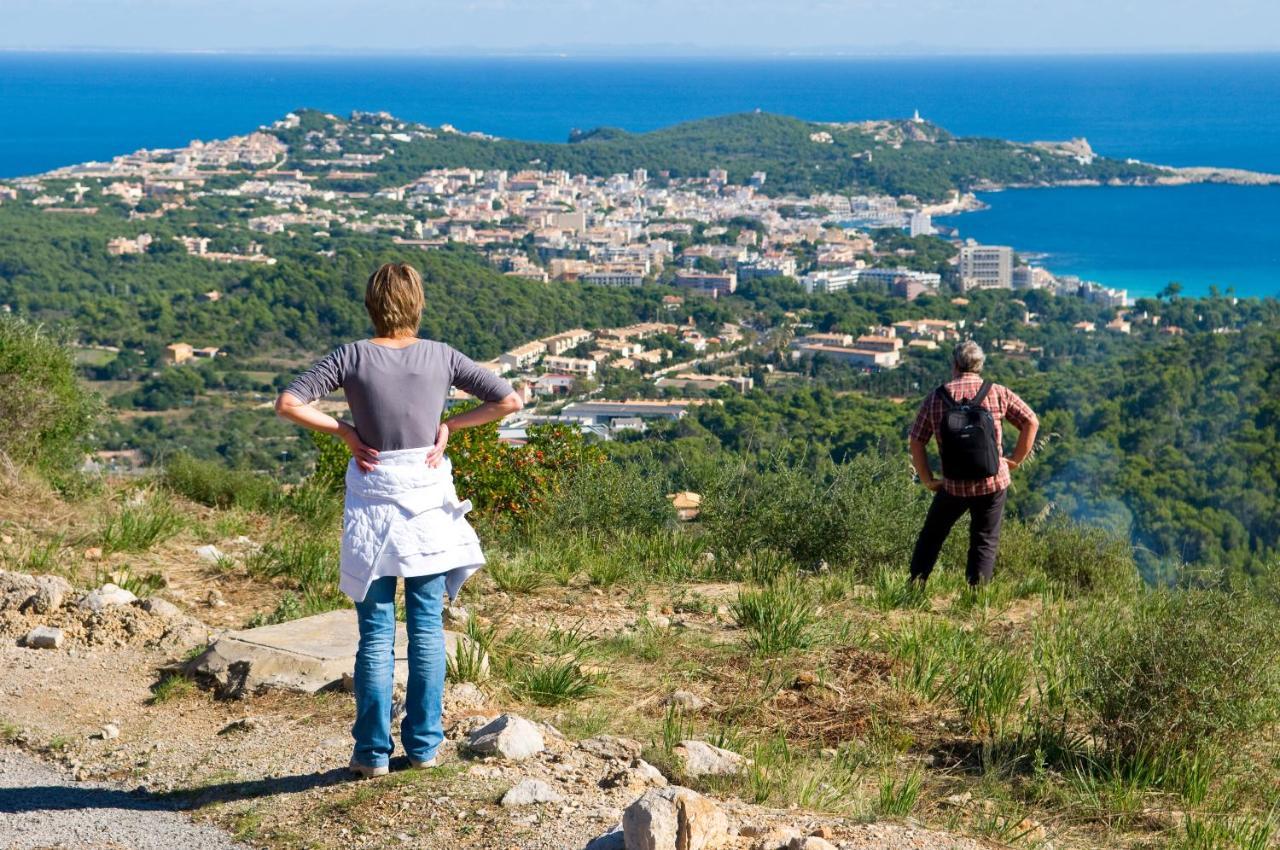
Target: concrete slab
(305,655)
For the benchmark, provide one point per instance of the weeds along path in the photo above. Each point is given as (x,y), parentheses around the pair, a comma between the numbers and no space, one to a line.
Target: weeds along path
(43,806)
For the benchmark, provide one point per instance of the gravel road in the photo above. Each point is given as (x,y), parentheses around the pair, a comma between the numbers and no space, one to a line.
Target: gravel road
(43,807)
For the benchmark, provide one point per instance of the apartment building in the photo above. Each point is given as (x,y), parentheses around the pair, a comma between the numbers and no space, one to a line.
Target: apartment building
(567,340)
(986,267)
(523,356)
(582,366)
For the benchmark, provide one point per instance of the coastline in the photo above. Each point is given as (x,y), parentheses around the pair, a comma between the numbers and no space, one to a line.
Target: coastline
(1171,176)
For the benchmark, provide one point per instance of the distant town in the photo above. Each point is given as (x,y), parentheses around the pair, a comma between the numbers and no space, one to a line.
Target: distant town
(704,236)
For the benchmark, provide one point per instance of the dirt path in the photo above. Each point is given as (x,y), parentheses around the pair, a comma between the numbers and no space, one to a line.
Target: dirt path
(44,807)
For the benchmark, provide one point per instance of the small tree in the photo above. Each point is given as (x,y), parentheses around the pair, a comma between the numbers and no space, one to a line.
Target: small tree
(45,413)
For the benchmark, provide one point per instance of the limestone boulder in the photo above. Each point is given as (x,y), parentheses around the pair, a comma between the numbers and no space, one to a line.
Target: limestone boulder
(699,758)
(507,736)
(674,818)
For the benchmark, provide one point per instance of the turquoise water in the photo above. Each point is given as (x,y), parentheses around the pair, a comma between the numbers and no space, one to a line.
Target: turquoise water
(1218,110)
(1141,238)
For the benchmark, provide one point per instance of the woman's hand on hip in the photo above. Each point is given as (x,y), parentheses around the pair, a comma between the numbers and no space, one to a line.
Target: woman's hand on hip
(366,456)
(435,454)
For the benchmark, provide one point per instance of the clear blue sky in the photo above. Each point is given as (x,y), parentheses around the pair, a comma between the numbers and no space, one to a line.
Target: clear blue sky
(639,26)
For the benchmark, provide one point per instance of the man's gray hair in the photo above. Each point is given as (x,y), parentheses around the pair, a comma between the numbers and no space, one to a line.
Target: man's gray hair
(968,357)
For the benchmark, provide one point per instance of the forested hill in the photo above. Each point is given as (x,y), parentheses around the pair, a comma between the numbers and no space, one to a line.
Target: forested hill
(56,269)
(893,157)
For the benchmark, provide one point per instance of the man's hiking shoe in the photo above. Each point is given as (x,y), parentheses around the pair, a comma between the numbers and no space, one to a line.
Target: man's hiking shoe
(366,772)
(434,761)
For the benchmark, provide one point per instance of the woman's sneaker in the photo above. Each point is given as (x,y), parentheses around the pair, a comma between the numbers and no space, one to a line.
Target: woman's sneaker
(366,772)
(434,761)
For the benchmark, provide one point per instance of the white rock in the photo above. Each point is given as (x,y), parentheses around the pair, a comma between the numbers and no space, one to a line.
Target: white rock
(162,608)
(456,617)
(463,695)
(674,818)
(110,732)
(508,736)
(49,595)
(687,700)
(44,637)
(35,594)
(648,774)
(810,842)
(702,759)
(209,553)
(107,596)
(527,792)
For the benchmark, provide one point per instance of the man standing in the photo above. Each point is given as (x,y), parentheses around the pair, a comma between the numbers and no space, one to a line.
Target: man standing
(965,415)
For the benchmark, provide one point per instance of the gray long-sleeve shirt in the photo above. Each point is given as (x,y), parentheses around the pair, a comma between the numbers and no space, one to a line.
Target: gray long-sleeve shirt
(396,395)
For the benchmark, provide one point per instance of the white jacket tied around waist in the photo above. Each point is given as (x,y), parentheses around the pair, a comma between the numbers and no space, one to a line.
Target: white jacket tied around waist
(404,518)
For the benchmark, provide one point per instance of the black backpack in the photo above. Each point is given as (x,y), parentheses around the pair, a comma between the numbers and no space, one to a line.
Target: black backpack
(967,437)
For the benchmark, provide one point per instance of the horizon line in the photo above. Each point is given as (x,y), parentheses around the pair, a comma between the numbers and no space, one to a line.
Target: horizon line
(634,52)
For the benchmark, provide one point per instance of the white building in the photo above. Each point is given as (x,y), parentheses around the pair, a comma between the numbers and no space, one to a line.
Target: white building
(571,365)
(523,356)
(830,280)
(986,267)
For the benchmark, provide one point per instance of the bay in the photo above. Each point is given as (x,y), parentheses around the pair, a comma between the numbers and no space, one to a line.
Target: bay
(57,109)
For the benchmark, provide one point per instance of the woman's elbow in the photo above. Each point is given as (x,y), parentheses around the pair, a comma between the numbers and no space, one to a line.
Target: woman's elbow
(284,403)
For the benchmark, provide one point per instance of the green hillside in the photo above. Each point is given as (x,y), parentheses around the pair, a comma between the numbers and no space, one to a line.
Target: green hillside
(894,157)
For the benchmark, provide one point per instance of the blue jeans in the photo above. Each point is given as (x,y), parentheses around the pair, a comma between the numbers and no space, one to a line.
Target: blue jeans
(422,729)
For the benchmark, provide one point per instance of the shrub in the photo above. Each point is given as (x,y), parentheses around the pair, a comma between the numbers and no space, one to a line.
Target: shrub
(515,483)
(46,412)
(210,483)
(332,458)
(862,515)
(611,497)
(1184,671)
(1074,559)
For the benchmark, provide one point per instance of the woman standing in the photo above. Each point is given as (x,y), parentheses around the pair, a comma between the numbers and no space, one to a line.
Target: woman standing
(402,517)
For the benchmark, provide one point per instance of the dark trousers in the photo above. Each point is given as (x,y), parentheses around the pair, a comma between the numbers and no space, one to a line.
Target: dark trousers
(986,513)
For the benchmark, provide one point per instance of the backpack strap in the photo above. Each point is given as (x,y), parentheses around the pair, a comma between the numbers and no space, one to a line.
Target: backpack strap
(945,395)
(977,400)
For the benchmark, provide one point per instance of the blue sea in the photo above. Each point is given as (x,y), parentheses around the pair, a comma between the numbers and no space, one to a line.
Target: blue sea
(57,109)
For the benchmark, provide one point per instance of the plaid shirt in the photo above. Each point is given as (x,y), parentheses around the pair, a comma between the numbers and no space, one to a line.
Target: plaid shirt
(1003,404)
